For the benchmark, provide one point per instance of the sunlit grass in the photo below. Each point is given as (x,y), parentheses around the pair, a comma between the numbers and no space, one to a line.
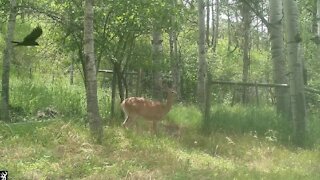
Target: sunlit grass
(261,121)
(240,142)
(187,116)
(64,150)
(29,97)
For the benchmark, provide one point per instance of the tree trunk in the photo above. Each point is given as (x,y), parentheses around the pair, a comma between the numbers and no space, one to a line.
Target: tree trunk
(295,71)
(318,18)
(138,87)
(175,65)
(90,78)
(121,83)
(207,115)
(7,55)
(212,24)
(119,78)
(208,23)
(229,30)
(216,29)
(246,49)
(113,91)
(156,58)
(278,58)
(72,69)
(318,29)
(202,65)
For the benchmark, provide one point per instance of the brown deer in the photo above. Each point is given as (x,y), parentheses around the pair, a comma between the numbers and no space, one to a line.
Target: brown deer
(154,111)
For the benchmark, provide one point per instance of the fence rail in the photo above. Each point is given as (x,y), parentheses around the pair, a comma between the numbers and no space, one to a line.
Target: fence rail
(308,89)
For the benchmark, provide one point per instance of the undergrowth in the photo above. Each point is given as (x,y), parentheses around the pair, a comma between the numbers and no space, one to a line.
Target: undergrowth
(234,143)
(28,97)
(256,120)
(32,96)
(63,150)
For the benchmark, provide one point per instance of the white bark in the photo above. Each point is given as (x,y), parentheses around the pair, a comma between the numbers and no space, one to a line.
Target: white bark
(216,29)
(278,58)
(318,29)
(295,71)
(202,65)
(246,49)
(90,79)
(175,62)
(318,18)
(156,58)
(7,56)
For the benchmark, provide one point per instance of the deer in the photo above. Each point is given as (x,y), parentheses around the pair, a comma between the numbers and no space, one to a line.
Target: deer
(147,109)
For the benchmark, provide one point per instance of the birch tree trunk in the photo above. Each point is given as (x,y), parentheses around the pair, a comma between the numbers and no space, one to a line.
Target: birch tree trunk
(90,78)
(246,49)
(217,24)
(318,18)
(278,58)
(175,63)
(156,58)
(208,22)
(295,71)
(7,56)
(229,30)
(318,28)
(202,65)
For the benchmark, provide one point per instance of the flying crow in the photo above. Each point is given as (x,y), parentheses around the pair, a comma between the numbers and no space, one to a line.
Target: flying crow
(30,39)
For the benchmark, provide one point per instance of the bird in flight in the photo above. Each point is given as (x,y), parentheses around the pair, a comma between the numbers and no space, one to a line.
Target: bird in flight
(30,39)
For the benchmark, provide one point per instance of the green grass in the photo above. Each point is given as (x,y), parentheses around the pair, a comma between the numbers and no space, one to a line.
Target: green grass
(29,97)
(234,143)
(187,116)
(261,121)
(63,150)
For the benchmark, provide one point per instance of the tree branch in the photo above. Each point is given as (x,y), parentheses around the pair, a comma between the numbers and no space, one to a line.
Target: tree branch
(257,13)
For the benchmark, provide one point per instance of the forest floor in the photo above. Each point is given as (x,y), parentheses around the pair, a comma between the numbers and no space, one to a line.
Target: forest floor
(63,150)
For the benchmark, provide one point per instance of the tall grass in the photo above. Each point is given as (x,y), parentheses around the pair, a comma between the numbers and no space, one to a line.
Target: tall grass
(59,150)
(28,96)
(261,121)
(236,119)
(314,129)
(240,119)
(185,115)
(31,96)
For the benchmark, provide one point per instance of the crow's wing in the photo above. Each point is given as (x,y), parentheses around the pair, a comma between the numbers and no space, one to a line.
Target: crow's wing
(34,35)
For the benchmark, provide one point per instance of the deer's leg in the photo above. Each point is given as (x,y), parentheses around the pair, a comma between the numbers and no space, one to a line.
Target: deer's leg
(154,126)
(129,121)
(125,121)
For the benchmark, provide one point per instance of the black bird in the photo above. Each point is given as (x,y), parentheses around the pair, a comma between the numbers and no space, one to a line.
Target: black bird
(30,39)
